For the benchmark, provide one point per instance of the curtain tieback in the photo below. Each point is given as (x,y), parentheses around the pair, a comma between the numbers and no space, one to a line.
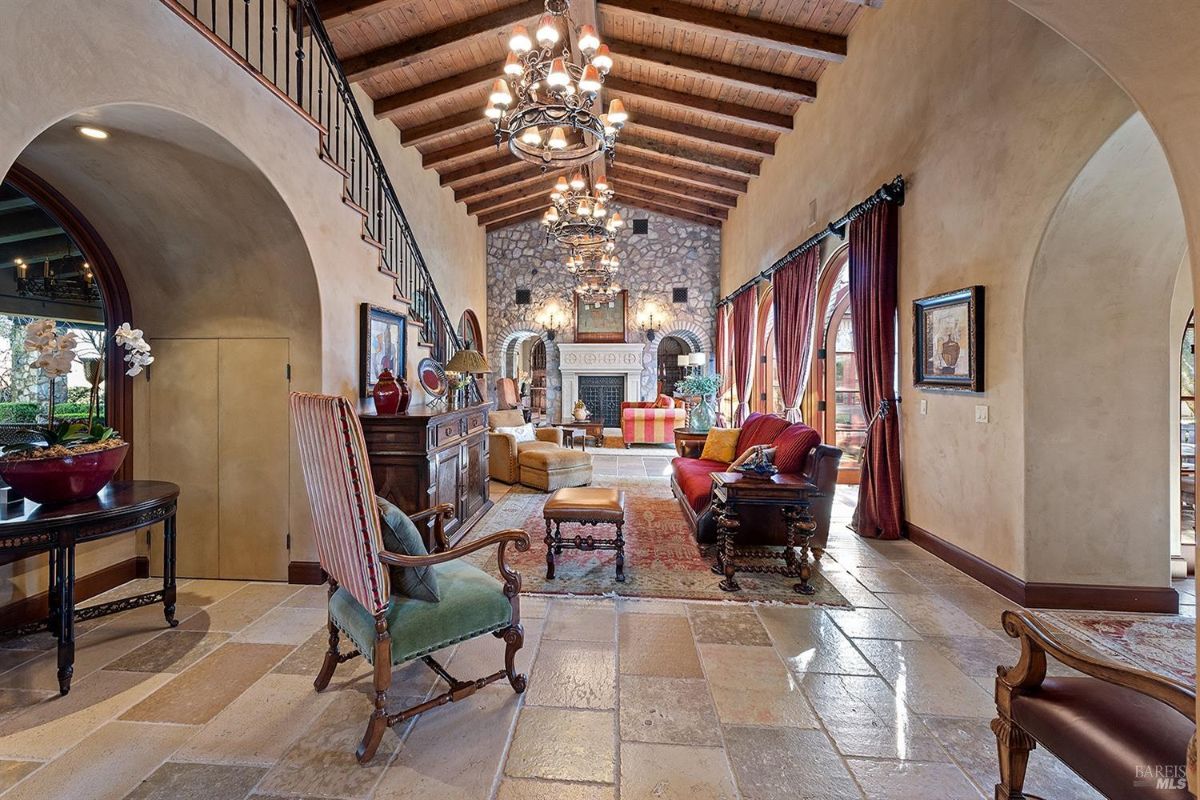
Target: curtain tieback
(885,410)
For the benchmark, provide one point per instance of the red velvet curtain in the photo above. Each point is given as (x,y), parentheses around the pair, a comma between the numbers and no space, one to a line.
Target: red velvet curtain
(795,291)
(722,359)
(742,337)
(873,269)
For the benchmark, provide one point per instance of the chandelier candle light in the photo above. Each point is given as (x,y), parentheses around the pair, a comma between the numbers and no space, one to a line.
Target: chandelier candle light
(544,103)
(579,217)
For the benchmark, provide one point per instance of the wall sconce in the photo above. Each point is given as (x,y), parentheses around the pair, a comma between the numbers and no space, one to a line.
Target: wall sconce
(646,321)
(549,321)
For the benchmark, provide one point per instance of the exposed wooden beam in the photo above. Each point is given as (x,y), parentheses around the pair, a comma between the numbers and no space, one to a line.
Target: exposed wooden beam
(469,148)
(488,216)
(674,212)
(758,80)
(392,104)
(343,12)
(632,194)
(672,169)
(763,33)
(493,199)
(508,223)
(647,119)
(471,118)
(532,176)
(504,162)
(657,183)
(401,54)
(745,115)
(700,155)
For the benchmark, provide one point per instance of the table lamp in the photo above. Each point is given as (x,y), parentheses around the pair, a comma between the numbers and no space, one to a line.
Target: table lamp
(463,363)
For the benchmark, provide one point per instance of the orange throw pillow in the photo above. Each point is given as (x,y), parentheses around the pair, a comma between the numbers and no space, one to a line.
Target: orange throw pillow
(721,444)
(664,401)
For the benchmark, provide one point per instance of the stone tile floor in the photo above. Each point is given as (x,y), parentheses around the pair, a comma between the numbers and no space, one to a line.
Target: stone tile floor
(637,700)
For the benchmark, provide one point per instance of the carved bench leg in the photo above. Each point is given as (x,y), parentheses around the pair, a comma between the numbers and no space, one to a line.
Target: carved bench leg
(620,545)
(1013,746)
(549,540)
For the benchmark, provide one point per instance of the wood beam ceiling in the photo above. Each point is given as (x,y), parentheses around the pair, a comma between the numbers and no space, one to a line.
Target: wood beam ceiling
(745,144)
(494,204)
(335,13)
(505,223)
(688,191)
(392,104)
(662,208)
(745,165)
(532,176)
(746,115)
(672,169)
(471,147)
(533,208)
(502,164)
(636,195)
(400,54)
(454,123)
(760,32)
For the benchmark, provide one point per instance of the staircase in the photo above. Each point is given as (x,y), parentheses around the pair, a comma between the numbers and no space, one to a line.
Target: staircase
(283,44)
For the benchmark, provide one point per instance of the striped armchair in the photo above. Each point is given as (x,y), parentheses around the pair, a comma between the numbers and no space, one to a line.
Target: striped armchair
(645,423)
(388,629)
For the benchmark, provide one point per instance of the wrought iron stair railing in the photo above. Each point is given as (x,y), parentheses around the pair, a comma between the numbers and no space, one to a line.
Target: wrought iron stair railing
(284,45)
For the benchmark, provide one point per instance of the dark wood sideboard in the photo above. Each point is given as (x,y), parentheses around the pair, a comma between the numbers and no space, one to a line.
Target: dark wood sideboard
(424,458)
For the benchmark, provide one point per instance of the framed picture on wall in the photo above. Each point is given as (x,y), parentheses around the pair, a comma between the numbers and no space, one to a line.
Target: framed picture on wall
(948,340)
(603,324)
(381,346)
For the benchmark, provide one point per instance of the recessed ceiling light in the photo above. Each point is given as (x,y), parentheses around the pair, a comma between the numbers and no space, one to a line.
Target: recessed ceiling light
(92,133)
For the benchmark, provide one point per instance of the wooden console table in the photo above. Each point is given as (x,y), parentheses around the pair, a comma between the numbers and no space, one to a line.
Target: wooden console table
(121,506)
(791,495)
(690,444)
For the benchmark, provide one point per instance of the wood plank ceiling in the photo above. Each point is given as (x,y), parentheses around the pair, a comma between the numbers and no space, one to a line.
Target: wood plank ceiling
(709,84)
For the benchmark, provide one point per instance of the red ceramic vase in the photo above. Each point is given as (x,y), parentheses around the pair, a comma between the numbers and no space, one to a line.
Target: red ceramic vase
(387,394)
(52,481)
(405,396)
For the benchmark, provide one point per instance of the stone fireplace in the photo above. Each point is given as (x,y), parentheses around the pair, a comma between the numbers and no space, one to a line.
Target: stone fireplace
(618,361)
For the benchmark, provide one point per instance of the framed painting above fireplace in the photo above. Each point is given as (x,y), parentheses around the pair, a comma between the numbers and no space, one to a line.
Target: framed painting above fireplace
(603,324)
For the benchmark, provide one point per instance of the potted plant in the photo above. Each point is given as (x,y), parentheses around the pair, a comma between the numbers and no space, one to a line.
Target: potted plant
(68,460)
(703,413)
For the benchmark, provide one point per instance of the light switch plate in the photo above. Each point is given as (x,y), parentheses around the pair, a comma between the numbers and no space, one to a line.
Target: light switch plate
(924,407)
(981,413)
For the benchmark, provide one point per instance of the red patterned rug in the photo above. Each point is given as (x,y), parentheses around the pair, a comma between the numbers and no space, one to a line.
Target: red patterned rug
(661,557)
(1164,644)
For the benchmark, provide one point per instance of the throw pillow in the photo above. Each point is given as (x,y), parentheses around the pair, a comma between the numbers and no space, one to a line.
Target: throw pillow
(769,452)
(760,429)
(792,447)
(721,444)
(523,433)
(401,536)
(664,401)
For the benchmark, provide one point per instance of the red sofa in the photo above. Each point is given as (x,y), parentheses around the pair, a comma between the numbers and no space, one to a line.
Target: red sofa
(799,452)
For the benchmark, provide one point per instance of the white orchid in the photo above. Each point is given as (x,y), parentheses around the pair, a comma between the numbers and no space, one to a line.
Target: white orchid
(55,354)
(137,350)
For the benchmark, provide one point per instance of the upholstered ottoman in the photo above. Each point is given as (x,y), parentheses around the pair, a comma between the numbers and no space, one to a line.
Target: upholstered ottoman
(585,506)
(554,468)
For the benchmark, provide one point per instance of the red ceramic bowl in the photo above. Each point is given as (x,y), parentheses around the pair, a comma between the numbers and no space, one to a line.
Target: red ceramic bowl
(63,480)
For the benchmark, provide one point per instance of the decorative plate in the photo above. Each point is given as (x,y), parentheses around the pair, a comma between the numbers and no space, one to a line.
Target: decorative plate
(432,377)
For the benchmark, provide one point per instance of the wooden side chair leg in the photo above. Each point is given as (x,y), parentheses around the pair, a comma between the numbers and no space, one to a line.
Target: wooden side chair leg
(331,655)
(1013,746)
(378,722)
(514,638)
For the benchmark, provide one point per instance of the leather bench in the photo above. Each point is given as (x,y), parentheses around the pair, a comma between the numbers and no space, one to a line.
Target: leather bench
(1124,731)
(585,506)
(553,468)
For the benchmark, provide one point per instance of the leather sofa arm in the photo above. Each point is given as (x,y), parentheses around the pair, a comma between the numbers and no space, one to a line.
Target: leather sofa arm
(553,435)
(502,456)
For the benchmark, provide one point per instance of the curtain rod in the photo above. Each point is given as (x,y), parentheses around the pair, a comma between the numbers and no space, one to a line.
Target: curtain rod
(892,192)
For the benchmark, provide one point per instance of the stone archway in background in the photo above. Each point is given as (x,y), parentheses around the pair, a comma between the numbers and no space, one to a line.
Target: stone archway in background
(699,340)
(511,336)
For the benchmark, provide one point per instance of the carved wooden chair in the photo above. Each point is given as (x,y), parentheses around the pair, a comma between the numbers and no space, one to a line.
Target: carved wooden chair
(389,630)
(1123,730)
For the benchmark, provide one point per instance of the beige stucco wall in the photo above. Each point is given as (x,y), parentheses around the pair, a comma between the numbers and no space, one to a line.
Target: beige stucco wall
(989,115)
(169,66)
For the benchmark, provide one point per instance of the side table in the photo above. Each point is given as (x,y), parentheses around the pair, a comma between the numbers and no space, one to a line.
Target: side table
(792,496)
(690,444)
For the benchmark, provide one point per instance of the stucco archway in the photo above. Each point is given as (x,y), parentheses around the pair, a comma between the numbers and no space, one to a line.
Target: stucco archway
(696,338)
(1098,353)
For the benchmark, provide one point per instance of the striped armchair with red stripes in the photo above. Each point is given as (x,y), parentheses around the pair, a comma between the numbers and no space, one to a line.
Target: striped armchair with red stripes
(653,422)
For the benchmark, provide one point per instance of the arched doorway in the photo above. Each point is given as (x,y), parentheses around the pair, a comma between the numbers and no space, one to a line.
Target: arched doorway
(668,369)
(524,359)
(833,401)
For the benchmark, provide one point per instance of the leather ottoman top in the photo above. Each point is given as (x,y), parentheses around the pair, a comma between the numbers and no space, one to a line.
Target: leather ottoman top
(1118,740)
(551,457)
(586,503)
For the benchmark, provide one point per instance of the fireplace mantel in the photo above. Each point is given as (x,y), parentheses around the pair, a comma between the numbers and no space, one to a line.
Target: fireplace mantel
(598,359)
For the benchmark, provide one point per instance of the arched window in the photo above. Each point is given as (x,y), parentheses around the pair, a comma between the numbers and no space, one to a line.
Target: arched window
(766,398)
(469,332)
(1187,433)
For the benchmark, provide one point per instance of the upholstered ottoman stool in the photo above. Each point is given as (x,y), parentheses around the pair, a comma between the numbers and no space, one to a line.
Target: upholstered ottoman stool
(586,506)
(554,468)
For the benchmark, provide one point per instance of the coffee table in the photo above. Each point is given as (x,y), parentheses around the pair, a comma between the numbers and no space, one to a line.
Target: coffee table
(592,429)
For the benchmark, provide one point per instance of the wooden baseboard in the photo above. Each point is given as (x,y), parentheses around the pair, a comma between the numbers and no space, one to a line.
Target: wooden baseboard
(1149,599)
(37,607)
(308,573)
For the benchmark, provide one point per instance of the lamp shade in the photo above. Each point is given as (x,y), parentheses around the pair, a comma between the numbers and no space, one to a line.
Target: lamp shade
(682,361)
(697,359)
(468,361)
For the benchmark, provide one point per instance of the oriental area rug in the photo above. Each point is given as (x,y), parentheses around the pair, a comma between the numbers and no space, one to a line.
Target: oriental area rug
(1159,643)
(662,558)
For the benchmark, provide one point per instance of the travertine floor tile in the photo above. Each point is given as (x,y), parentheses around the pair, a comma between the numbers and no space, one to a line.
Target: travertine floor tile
(258,727)
(787,764)
(284,626)
(871,623)
(906,780)
(13,771)
(931,615)
(534,607)
(106,765)
(483,655)
(453,752)
(170,651)
(723,624)
(201,592)
(239,609)
(309,597)
(563,744)
(674,772)
(174,781)
(809,641)
(654,644)
(198,694)
(18,701)
(854,592)
(751,686)
(574,675)
(15,657)
(524,789)
(926,681)
(888,579)
(977,656)
(93,650)
(667,711)
(864,718)
(577,622)
(637,605)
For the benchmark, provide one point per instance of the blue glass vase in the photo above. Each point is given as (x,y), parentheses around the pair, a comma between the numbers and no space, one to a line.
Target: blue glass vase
(703,415)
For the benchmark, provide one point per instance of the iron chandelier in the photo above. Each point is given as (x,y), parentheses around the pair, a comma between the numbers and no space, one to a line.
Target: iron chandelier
(579,218)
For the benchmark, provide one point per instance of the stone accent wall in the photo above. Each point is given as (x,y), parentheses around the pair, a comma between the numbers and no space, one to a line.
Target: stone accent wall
(673,253)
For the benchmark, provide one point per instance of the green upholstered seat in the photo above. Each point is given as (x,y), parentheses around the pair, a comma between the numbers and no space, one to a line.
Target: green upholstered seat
(473,603)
